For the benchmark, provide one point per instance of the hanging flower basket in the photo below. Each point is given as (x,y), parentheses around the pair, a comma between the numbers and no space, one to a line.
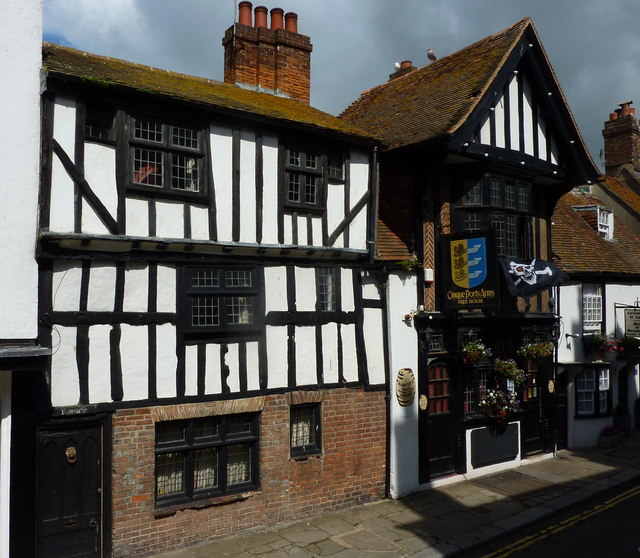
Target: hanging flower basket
(536,351)
(498,405)
(601,343)
(509,370)
(474,352)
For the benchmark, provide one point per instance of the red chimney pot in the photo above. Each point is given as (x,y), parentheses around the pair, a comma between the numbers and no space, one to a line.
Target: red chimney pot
(625,108)
(261,16)
(244,16)
(277,18)
(405,64)
(291,22)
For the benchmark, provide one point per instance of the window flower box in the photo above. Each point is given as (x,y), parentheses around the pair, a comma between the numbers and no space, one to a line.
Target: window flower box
(610,437)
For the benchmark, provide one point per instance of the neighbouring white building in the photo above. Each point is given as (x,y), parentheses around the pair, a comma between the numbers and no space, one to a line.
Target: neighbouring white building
(596,238)
(20,63)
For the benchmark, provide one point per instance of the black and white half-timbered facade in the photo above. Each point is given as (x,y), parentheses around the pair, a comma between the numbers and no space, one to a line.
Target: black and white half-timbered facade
(471,170)
(205,286)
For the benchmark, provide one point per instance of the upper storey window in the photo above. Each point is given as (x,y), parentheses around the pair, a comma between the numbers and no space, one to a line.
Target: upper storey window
(166,156)
(156,156)
(219,301)
(500,204)
(98,125)
(303,178)
(307,171)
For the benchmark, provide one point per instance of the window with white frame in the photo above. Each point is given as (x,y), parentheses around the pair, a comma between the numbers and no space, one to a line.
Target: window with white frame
(305,430)
(326,285)
(591,308)
(593,392)
(605,223)
(205,457)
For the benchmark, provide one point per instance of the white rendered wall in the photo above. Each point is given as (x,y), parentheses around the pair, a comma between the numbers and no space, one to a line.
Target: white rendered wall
(20,58)
(584,432)
(403,353)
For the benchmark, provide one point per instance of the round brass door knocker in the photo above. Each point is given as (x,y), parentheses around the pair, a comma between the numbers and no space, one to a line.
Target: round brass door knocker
(71,454)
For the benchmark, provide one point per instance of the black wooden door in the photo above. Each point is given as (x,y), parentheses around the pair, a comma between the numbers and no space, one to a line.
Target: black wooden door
(69,492)
(438,444)
(532,421)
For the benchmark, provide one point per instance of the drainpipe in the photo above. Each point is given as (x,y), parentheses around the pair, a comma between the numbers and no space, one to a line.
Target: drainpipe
(384,282)
(373,205)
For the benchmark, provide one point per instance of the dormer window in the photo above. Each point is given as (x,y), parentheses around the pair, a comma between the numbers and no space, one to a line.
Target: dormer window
(599,218)
(605,223)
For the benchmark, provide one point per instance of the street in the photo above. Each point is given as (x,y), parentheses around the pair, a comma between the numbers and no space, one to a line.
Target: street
(602,526)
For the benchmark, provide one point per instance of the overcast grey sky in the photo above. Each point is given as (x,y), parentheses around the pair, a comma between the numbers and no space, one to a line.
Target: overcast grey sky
(593,45)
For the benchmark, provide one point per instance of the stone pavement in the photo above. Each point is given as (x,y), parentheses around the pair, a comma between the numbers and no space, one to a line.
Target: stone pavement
(441,521)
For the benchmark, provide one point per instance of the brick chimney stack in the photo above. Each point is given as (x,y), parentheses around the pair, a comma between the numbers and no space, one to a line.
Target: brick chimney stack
(621,139)
(404,68)
(275,59)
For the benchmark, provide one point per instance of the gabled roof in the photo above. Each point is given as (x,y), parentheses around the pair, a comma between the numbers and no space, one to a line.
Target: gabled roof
(77,66)
(439,100)
(580,250)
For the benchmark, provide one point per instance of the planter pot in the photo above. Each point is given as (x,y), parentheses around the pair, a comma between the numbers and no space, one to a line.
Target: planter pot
(623,422)
(610,441)
(610,357)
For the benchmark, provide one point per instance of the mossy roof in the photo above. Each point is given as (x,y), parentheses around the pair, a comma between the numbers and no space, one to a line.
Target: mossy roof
(78,66)
(438,98)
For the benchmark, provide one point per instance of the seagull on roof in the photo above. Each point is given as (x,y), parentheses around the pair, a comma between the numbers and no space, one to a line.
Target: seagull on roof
(431,55)
(396,65)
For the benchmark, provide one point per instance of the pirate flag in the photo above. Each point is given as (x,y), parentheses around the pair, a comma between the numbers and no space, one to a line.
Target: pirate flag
(527,278)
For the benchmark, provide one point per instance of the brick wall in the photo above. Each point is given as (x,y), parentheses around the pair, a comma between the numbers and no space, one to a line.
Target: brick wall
(274,59)
(351,469)
(621,140)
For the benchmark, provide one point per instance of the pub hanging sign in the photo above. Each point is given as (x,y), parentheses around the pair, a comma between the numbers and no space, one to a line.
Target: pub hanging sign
(470,271)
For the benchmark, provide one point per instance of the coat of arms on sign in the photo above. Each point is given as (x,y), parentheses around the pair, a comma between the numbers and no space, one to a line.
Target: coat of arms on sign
(469,262)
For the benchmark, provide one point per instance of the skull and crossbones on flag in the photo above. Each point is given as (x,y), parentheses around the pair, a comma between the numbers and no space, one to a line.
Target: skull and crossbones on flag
(526,278)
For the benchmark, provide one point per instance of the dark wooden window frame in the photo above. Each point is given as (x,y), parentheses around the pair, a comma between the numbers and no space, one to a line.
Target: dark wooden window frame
(315,447)
(485,208)
(304,169)
(225,329)
(168,150)
(328,300)
(221,441)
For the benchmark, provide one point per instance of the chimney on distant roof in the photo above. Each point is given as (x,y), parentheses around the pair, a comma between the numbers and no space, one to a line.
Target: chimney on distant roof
(621,139)
(274,59)
(402,69)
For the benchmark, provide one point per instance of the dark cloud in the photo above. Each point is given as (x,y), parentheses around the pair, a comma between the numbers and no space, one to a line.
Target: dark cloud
(591,44)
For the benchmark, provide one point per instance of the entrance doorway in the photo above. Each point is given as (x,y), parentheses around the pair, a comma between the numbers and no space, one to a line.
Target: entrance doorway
(437,423)
(69,491)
